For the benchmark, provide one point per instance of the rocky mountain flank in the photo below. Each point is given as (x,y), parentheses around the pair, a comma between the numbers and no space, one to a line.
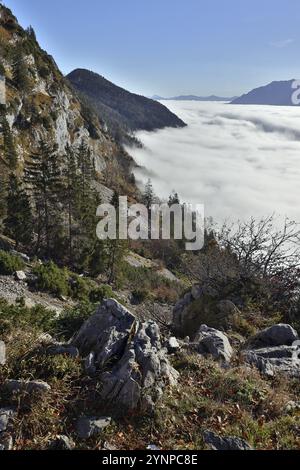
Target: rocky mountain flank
(40,104)
(122,111)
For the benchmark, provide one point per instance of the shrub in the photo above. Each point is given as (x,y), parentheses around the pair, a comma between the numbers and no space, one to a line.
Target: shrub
(52,279)
(10,264)
(79,288)
(71,320)
(18,316)
(140,295)
(100,293)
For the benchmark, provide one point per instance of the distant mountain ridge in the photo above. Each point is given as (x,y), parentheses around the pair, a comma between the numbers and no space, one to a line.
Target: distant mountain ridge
(277,93)
(122,111)
(193,98)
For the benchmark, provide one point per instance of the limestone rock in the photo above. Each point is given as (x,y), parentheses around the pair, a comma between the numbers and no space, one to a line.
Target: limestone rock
(198,308)
(20,276)
(88,427)
(172,345)
(60,349)
(276,335)
(136,364)
(36,386)
(225,443)
(214,342)
(62,443)
(106,332)
(5,415)
(2,353)
(6,442)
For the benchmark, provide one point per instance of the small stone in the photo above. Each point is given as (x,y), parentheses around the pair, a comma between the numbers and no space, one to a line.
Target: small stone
(20,276)
(37,386)
(214,342)
(46,339)
(29,303)
(87,427)
(225,443)
(5,415)
(292,406)
(108,446)
(172,345)
(152,447)
(2,353)
(62,443)
(6,442)
(68,350)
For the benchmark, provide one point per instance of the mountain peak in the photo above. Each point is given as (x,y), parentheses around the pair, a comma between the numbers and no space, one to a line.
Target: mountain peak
(276,93)
(123,111)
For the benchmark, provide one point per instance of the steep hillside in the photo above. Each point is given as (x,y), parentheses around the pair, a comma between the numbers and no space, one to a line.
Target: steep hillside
(40,104)
(275,93)
(123,111)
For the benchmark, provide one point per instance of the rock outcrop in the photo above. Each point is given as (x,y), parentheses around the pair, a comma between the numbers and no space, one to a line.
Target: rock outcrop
(88,427)
(200,307)
(128,356)
(275,335)
(45,106)
(275,350)
(213,342)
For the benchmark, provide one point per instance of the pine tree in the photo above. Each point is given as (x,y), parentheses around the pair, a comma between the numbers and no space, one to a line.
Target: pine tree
(70,194)
(20,70)
(43,175)
(148,195)
(116,251)
(9,149)
(19,221)
(3,193)
(85,208)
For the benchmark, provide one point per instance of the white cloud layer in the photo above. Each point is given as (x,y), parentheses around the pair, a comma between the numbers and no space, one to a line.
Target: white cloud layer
(240,161)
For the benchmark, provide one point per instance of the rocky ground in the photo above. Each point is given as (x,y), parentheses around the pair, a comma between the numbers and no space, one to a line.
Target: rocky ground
(120,382)
(12,290)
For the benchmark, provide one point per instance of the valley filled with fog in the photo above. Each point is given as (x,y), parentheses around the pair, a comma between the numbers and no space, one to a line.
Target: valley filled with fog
(240,161)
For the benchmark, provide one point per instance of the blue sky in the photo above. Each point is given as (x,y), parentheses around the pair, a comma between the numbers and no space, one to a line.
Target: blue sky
(170,47)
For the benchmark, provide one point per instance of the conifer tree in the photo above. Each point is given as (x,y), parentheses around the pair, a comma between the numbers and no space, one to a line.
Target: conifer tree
(116,250)
(148,195)
(85,208)
(19,221)
(20,70)
(70,194)
(43,175)
(9,149)
(3,192)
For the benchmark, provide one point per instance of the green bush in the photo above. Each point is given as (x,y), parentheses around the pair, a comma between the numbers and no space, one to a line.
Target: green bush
(79,288)
(10,264)
(71,320)
(140,295)
(18,316)
(100,293)
(51,278)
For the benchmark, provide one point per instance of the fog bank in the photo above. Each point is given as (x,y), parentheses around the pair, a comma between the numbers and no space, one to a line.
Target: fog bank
(240,161)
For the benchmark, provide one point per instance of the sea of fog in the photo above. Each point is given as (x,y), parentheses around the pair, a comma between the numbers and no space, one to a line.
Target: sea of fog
(240,161)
